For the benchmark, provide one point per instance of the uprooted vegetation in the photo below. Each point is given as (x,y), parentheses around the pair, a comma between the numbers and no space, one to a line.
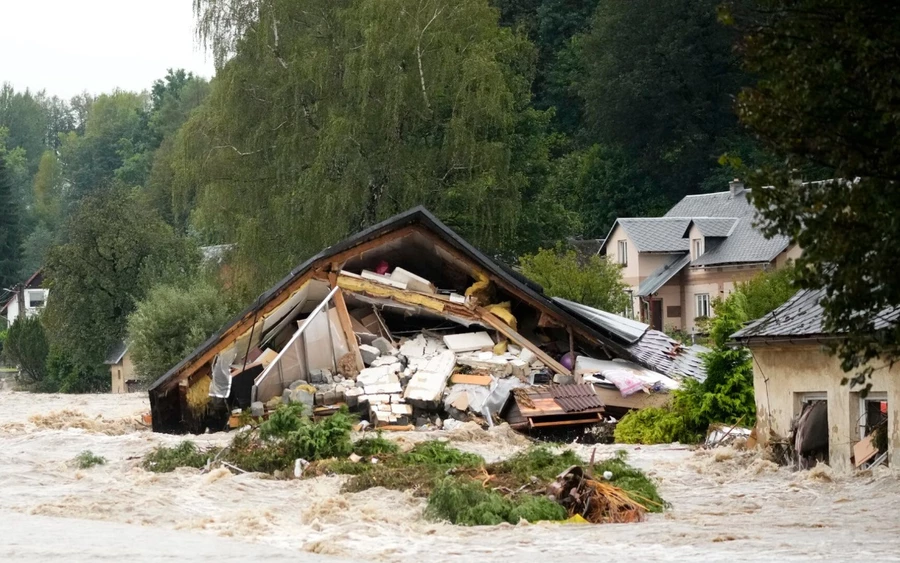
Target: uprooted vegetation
(460,487)
(87,459)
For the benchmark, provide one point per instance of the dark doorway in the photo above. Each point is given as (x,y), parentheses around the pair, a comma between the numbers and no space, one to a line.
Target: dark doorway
(656,314)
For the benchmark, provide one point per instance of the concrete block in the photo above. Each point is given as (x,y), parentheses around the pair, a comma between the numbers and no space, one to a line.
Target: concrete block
(431,378)
(469,342)
(402,409)
(378,388)
(257,409)
(384,360)
(369,353)
(319,399)
(384,346)
(379,398)
(412,281)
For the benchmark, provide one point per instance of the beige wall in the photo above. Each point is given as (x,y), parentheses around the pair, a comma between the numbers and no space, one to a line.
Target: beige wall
(791,253)
(718,282)
(671,297)
(121,373)
(782,373)
(695,233)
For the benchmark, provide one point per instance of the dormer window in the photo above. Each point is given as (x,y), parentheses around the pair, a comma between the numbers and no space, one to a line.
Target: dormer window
(697,248)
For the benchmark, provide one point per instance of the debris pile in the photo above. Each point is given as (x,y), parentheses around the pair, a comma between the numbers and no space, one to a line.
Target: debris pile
(410,327)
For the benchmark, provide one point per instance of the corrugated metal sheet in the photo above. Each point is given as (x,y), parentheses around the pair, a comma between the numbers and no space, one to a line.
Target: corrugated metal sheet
(628,330)
(663,274)
(669,357)
(576,398)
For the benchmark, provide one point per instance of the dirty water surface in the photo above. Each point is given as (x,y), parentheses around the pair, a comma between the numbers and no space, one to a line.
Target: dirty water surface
(726,505)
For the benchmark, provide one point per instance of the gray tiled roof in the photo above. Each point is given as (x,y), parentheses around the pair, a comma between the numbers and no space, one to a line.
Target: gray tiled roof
(803,316)
(745,243)
(663,274)
(657,234)
(714,226)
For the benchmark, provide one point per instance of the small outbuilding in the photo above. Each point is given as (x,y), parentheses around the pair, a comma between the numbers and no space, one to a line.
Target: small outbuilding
(121,369)
(798,381)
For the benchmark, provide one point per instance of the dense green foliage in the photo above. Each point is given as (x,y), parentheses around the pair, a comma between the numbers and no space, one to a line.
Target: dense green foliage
(10,233)
(654,426)
(469,503)
(171,321)
(26,346)
(597,283)
(65,374)
(104,268)
(825,104)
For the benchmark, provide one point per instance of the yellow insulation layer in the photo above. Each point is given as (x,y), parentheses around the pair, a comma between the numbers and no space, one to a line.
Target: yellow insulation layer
(378,290)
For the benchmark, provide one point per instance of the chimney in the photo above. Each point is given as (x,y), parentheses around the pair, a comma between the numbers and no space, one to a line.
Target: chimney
(736,187)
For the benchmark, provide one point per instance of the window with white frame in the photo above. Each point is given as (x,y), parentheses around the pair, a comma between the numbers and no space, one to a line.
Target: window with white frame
(35,298)
(703,308)
(697,245)
(623,253)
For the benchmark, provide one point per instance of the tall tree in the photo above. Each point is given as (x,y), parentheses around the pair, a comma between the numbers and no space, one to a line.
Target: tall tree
(658,79)
(10,235)
(332,115)
(115,249)
(826,104)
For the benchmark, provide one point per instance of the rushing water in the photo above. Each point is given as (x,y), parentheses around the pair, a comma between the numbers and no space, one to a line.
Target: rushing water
(726,505)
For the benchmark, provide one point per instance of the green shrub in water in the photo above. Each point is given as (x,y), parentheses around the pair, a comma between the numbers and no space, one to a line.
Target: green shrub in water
(185,454)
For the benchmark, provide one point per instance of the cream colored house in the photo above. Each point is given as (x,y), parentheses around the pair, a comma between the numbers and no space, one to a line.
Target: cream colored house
(678,264)
(792,366)
(121,369)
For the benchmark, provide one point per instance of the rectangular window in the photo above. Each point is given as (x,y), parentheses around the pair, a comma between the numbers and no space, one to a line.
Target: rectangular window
(35,299)
(623,253)
(703,308)
(629,306)
(697,245)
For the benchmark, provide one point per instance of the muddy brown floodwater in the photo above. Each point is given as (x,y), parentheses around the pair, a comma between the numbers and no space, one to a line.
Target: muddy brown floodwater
(726,505)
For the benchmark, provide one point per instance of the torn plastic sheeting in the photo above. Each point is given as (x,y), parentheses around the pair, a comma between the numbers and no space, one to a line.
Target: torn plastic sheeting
(474,400)
(500,391)
(654,381)
(220,387)
(625,381)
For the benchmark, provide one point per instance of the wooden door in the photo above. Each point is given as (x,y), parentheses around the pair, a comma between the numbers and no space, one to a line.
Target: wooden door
(656,314)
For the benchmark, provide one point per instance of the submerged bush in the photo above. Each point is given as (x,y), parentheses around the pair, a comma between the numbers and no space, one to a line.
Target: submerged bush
(185,454)
(377,445)
(87,459)
(653,426)
(467,502)
(537,462)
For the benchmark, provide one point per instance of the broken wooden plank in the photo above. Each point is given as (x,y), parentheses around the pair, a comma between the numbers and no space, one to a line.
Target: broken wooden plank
(570,422)
(471,379)
(508,332)
(347,325)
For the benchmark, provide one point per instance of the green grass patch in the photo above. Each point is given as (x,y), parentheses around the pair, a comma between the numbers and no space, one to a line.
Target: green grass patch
(87,459)
(185,454)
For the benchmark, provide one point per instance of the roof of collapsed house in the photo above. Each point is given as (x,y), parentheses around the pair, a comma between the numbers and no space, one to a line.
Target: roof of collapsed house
(417,240)
(803,317)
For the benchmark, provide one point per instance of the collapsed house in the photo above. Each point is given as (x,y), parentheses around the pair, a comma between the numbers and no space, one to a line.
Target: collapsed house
(408,324)
(800,392)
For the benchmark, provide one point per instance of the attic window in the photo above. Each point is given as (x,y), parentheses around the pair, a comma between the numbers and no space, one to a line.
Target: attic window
(697,247)
(35,299)
(622,255)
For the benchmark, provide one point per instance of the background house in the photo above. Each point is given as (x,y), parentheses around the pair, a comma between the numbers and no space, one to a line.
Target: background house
(35,298)
(676,265)
(121,369)
(792,366)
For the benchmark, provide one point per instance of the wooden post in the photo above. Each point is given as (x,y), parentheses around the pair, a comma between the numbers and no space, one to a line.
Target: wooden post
(347,326)
(508,332)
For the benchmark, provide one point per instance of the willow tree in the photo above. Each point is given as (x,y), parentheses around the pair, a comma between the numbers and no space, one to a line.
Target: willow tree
(327,116)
